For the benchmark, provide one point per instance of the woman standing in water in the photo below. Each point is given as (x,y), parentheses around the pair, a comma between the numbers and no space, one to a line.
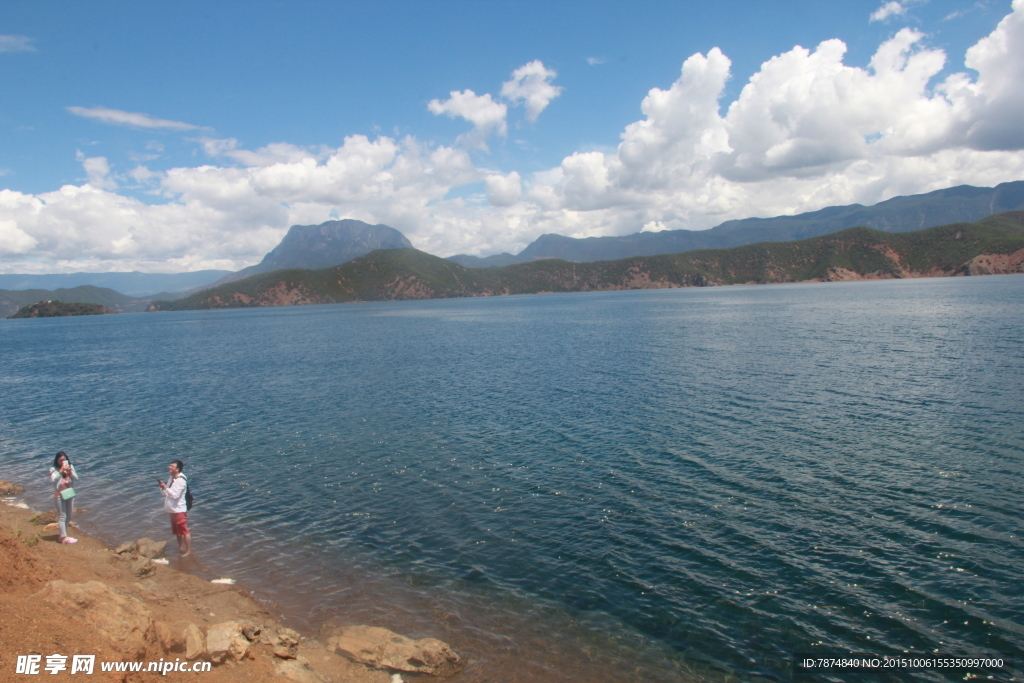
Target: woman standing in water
(62,474)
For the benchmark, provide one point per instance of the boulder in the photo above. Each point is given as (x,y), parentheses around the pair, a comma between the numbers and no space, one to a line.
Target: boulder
(288,637)
(195,643)
(240,648)
(122,618)
(285,643)
(286,651)
(145,547)
(171,640)
(251,632)
(9,489)
(297,671)
(225,641)
(384,649)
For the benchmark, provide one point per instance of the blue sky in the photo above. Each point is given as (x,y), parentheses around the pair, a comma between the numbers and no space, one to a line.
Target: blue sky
(177,136)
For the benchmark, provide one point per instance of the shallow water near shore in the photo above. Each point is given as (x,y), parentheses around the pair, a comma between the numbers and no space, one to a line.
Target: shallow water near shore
(627,486)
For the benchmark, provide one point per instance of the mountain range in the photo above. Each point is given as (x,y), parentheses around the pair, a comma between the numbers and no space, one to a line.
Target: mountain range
(336,242)
(964,203)
(133,284)
(993,245)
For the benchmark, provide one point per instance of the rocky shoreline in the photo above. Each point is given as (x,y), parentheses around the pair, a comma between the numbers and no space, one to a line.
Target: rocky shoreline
(130,605)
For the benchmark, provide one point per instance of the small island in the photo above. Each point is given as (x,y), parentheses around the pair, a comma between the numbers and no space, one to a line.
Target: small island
(56,309)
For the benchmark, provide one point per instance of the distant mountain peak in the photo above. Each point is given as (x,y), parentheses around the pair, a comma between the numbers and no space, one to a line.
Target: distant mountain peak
(321,246)
(330,244)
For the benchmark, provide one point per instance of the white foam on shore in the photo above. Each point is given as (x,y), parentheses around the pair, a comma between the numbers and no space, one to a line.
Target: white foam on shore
(160,560)
(16,503)
(223,580)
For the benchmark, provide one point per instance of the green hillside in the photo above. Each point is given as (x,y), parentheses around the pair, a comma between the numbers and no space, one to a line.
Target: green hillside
(13,299)
(854,253)
(60,309)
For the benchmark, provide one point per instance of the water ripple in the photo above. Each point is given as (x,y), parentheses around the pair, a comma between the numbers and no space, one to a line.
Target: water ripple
(630,486)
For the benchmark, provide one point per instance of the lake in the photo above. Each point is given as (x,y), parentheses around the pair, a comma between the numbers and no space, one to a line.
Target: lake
(650,485)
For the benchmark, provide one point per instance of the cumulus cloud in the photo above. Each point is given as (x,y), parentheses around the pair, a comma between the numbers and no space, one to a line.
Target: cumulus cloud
(486,115)
(889,9)
(806,131)
(531,86)
(98,171)
(274,153)
(14,240)
(229,217)
(12,43)
(503,190)
(116,117)
(991,107)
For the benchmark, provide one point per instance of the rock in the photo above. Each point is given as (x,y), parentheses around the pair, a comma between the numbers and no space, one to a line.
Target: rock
(126,548)
(9,489)
(297,671)
(143,567)
(170,640)
(288,636)
(384,649)
(239,648)
(251,632)
(195,644)
(51,528)
(225,640)
(145,547)
(123,619)
(286,651)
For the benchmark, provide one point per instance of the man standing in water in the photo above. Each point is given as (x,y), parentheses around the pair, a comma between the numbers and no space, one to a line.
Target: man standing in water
(174,503)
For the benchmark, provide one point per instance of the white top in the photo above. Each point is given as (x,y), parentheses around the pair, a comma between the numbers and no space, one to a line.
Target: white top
(56,476)
(174,494)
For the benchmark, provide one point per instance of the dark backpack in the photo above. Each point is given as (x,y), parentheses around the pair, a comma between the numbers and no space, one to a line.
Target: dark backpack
(188,495)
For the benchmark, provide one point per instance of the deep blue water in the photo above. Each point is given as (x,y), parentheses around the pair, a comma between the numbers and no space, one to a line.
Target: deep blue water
(649,485)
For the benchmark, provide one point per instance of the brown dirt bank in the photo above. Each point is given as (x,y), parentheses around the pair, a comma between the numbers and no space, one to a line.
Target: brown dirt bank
(160,600)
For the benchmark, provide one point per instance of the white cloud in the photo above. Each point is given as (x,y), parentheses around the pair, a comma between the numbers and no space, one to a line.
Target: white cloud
(806,131)
(274,153)
(594,61)
(116,117)
(531,85)
(229,217)
(14,240)
(994,104)
(141,174)
(889,9)
(97,169)
(12,43)
(503,190)
(486,115)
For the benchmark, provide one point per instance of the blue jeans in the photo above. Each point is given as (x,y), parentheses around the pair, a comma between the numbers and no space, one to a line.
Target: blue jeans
(64,510)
